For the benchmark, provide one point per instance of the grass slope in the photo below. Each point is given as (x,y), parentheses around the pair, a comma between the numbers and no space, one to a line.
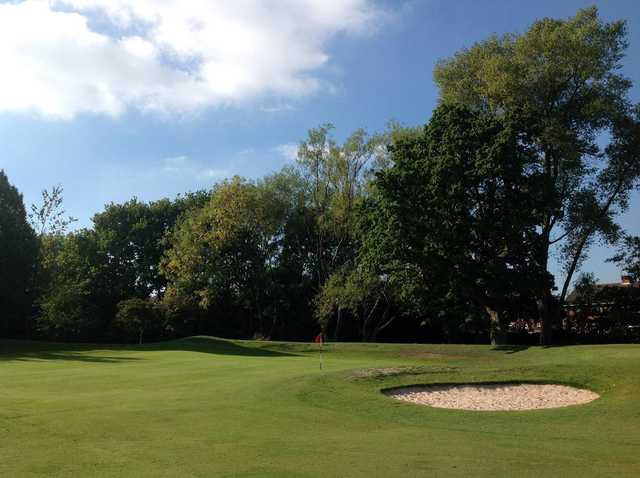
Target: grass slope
(204,407)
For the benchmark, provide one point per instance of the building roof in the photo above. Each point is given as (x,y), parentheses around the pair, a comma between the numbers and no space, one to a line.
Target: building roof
(574,296)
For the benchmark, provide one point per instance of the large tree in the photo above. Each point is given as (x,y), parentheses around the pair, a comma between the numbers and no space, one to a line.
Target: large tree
(83,276)
(131,237)
(223,257)
(336,177)
(457,205)
(72,304)
(18,252)
(564,76)
(50,221)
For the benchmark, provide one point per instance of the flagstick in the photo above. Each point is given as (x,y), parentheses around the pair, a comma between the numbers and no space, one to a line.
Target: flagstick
(321,342)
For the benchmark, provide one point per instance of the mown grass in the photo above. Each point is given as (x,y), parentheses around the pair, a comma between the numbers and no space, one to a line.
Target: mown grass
(206,407)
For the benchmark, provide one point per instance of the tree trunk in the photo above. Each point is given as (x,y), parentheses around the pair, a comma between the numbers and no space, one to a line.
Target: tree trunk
(367,319)
(336,332)
(141,332)
(543,300)
(27,327)
(498,333)
(583,242)
(386,321)
(546,319)
(274,325)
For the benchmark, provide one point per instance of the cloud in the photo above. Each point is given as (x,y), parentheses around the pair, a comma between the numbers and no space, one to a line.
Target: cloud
(288,151)
(175,163)
(61,58)
(186,167)
(277,108)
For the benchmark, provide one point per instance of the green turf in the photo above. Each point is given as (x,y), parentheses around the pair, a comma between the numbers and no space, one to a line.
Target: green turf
(206,407)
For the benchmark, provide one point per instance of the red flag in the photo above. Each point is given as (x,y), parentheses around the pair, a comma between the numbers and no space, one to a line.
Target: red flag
(319,338)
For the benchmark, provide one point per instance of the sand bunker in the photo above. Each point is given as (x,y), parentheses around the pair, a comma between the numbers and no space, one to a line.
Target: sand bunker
(494,396)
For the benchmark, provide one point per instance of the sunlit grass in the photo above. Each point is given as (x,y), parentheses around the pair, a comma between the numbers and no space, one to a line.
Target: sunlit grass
(207,407)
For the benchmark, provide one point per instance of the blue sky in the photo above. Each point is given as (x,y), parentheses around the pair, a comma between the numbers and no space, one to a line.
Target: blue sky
(98,101)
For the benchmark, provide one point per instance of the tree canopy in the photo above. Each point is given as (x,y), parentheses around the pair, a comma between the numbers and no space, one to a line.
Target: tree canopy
(18,259)
(564,77)
(460,204)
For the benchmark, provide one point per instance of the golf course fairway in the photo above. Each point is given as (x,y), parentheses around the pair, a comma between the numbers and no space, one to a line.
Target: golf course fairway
(202,407)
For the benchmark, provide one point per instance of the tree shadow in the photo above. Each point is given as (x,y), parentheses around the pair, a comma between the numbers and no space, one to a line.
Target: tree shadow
(510,349)
(19,350)
(216,346)
(66,355)
(31,351)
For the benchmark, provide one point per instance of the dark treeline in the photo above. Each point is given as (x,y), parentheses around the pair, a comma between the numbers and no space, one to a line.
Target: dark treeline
(436,233)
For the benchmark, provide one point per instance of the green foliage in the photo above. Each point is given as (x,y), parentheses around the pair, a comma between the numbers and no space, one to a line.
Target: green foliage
(558,67)
(131,237)
(628,257)
(258,250)
(139,318)
(459,205)
(18,256)
(585,286)
(336,179)
(70,303)
(368,298)
(84,275)
(564,77)
(224,255)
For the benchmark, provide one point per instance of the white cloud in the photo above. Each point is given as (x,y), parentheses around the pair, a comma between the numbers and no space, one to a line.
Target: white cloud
(176,164)
(65,57)
(187,167)
(288,151)
(212,173)
(277,108)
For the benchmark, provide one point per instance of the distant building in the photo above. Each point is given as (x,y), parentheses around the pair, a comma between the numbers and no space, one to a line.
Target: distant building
(576,296)
(603,306)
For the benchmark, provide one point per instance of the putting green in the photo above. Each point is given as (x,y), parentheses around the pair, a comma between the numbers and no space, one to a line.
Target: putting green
(205,407)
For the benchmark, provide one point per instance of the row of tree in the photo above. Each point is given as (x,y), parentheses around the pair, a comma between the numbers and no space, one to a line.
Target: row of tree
(444,232)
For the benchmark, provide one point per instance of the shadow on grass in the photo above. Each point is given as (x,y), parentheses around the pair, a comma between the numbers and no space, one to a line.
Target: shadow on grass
(21,350)
(510,349)
(212,345)
(65,355)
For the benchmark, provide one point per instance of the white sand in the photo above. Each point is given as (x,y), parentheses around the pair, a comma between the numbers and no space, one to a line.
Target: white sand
(489,397)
